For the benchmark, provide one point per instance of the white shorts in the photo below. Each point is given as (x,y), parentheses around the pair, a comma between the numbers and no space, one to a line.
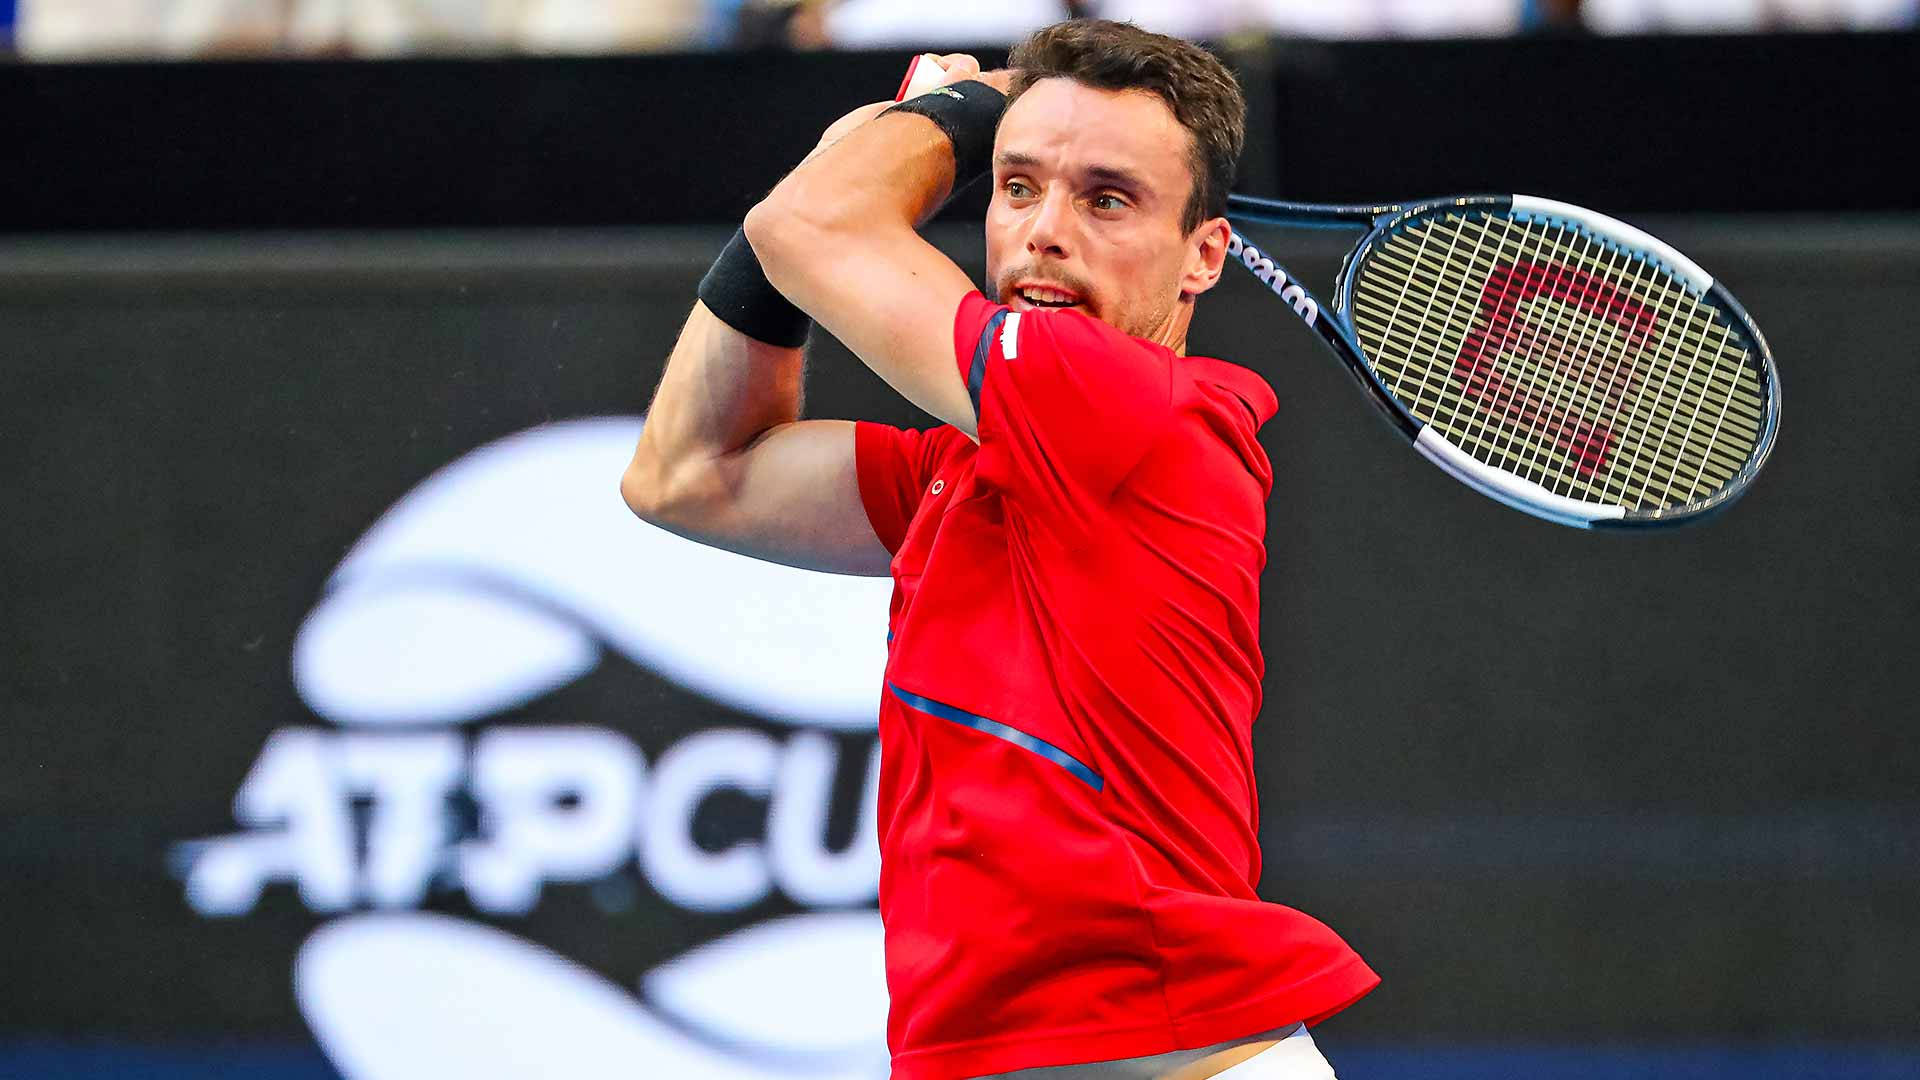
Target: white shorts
(1293,1057)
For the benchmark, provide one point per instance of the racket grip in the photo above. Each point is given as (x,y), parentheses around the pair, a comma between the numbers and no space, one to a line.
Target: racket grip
(923,74)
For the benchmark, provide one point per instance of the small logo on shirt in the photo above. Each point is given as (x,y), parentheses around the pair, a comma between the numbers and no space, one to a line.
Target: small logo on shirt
(1010,336)
(938,487)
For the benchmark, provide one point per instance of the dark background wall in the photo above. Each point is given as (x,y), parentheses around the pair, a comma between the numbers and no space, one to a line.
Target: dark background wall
(1687,124)
(1559,788)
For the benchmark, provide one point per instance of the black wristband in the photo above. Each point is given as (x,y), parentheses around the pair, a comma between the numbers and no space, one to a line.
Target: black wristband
(968,112)
(737,291)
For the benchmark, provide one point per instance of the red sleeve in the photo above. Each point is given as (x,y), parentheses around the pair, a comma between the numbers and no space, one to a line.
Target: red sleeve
(1066,405)
(893,466)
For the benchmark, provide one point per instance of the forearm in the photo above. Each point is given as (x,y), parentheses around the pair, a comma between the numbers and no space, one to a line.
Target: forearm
(721,391)
(885,177)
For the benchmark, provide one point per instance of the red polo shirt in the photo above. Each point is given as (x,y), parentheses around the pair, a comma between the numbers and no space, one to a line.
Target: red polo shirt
(1067,797)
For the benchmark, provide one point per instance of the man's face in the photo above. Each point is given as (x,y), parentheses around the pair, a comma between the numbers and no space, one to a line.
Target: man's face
(1089,190)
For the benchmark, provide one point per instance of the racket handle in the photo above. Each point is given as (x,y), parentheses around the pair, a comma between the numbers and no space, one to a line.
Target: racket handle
(923,74)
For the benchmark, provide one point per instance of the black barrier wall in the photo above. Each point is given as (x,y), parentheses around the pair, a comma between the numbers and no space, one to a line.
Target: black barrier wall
(1686,124)
(1555,786)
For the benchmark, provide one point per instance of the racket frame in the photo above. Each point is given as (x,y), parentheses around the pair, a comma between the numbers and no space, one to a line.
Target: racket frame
(1335,329)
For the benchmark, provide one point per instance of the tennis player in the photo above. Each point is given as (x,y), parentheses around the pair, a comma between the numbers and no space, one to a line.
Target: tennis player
(1067,795)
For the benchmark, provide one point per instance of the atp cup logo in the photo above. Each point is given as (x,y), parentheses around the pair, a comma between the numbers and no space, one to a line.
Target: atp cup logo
(502,578)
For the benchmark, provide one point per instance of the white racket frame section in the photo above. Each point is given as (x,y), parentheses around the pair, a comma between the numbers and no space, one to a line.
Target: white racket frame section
(1509,489)
(1621,232)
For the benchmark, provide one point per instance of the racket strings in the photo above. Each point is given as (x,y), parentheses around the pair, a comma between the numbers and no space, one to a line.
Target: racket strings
(1546,352)
(1714,340)
(1572,416)
(1514,413)
(1524,395)
(1529,389)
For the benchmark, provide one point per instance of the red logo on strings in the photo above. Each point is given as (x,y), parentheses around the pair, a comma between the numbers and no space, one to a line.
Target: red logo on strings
(1581,369)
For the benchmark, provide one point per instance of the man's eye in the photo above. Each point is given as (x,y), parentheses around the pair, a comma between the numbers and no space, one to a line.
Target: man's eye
(1108,202)
(1018,190)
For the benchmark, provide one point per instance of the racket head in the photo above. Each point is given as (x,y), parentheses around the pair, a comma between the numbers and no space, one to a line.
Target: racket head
(1560,361)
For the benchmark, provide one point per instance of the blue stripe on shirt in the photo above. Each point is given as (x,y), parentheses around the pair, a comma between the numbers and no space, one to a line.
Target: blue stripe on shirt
(977,374)
(999,730)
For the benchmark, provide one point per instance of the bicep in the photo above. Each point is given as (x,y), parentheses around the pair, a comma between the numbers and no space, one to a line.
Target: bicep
(790,496)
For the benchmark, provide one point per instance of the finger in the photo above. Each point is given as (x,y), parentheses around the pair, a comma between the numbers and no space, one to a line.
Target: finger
(959,67)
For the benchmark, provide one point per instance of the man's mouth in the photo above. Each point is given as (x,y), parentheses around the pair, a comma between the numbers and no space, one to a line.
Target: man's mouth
(1044,296)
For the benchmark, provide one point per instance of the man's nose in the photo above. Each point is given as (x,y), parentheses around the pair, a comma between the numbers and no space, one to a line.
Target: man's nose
(1051,229)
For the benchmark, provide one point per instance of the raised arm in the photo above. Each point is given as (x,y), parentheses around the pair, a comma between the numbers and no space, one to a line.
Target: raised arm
(724,458)
(838,238)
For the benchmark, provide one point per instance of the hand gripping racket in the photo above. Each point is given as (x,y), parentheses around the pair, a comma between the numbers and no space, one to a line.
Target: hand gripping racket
(923,74)
(1562,362)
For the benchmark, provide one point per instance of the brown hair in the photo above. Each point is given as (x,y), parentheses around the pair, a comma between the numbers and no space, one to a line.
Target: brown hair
(1203,95)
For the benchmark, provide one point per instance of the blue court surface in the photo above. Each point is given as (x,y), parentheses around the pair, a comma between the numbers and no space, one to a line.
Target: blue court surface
(1615,1062)
(101,1061)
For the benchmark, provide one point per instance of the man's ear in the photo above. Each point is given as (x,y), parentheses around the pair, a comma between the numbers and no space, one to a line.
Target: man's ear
(1206,256)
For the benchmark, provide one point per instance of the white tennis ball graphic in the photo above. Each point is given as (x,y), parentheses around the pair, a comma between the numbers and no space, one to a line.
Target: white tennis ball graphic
(402,996)
(498,579)
(501,576)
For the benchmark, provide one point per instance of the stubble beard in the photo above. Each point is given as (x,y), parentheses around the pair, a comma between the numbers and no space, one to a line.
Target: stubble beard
(1149,321)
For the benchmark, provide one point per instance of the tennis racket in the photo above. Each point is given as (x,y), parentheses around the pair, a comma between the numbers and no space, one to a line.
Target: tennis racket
(1559,361)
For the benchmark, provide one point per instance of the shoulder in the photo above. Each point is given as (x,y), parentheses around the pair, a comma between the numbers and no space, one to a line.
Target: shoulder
(1211,381)
(1069,332)
(1224,385)
(1221,408)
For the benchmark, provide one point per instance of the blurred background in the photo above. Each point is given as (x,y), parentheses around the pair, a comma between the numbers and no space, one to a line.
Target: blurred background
(63,29)
(353,729)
